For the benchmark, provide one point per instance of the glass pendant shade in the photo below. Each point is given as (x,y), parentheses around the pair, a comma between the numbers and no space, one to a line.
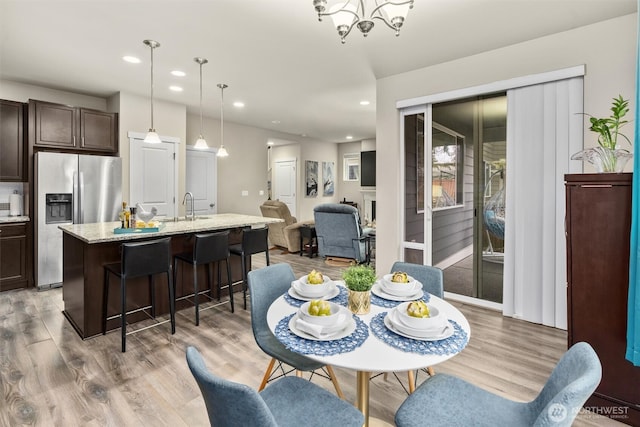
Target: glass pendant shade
(200,144)
(152,137)
(222,152)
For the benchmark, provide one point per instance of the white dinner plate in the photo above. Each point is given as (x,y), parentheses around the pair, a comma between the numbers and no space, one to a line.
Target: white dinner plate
(350,326)
(297,286)
(415,287)
(334,292)
(404,331)
(379,291)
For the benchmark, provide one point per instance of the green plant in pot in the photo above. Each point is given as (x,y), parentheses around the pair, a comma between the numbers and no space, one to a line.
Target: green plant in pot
(607,157)
(359,279)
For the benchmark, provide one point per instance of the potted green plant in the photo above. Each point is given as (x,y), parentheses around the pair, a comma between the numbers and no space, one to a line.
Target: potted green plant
(607,157)
(359,280)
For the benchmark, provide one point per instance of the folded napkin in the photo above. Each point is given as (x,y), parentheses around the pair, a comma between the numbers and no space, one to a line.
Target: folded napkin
(320,331)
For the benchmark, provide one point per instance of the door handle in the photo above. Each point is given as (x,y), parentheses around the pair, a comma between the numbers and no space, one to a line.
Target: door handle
(211,205)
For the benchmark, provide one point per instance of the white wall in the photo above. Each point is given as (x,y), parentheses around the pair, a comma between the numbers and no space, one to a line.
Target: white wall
(19,92)
(608,49)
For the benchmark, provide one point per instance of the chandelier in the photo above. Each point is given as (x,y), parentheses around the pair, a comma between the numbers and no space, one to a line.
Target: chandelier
(349,13)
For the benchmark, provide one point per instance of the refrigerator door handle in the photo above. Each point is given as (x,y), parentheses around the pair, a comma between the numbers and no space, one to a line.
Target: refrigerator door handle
(76,201)
(80,194)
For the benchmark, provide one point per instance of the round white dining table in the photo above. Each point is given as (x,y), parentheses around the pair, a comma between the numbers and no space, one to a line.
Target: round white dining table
(374,355)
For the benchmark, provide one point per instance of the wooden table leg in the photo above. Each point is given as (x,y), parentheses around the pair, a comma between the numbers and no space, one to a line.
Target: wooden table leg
(363,395)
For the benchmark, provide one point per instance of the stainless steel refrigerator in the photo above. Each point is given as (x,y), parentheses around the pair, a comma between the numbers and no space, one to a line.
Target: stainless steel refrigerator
(71,189)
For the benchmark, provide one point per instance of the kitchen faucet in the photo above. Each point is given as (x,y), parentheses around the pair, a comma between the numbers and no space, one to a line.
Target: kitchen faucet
(193,212)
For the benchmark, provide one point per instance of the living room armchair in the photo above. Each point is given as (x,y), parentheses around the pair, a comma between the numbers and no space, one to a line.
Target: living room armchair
(339,233)
(283,234)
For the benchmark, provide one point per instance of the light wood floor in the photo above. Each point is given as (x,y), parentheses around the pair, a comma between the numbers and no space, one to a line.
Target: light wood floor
(50,377)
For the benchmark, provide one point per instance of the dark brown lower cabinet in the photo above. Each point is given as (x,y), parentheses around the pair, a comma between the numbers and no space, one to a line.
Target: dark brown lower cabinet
(14,256)
(598,225)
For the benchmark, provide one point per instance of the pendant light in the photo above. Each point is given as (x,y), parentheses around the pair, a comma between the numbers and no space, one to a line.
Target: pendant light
(201,144)
(222,152)
(152,137)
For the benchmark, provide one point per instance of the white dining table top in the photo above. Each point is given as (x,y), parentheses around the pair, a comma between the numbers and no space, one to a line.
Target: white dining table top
(375,355)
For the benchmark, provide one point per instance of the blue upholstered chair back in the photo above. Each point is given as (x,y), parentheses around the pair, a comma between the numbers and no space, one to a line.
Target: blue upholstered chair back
(228,403)
(265,285)
(430,277)
(572,381)
(338,231)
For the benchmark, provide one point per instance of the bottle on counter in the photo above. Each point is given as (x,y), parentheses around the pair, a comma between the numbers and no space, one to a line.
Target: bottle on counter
(124,222)
(132,217)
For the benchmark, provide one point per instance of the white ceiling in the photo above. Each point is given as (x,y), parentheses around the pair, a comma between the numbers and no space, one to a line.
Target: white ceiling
(274,54)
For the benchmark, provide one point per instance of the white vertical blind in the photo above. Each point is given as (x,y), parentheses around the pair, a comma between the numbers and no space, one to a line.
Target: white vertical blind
(544,128)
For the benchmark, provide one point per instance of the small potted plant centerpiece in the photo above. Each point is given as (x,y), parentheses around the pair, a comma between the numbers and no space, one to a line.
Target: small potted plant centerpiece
(607,157)
(359,279)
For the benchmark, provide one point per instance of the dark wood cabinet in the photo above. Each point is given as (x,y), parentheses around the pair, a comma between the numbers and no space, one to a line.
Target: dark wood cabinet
(66,127)
(14,256)
(12,144)
(598,225)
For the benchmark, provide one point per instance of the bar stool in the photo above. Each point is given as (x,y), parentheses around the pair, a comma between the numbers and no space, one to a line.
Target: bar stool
(139,259)
(254,241)
(207,249)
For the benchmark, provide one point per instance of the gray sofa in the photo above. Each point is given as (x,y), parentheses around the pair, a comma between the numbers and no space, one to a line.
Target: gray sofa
(339,232)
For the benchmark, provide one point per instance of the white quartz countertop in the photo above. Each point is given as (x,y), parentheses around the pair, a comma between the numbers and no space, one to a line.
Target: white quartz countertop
(103,231)
(10,219)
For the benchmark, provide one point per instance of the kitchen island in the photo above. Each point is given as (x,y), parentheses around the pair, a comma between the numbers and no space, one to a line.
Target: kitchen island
(88,247)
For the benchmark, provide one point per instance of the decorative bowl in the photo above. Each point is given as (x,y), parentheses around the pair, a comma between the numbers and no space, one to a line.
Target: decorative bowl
(308,290)
(329,320)
(435,321)
(399,288)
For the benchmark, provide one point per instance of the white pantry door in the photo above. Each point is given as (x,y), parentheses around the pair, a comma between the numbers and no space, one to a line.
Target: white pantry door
(201,179)
(152,174)
(285,183)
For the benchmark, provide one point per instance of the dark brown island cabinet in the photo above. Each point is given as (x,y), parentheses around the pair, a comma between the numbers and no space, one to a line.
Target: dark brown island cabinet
(598,225)
(67,127)
(12,153)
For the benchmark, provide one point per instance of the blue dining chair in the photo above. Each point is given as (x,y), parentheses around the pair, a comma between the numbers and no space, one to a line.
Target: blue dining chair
(266,285)
(447,400)
(432,281)
(292,401)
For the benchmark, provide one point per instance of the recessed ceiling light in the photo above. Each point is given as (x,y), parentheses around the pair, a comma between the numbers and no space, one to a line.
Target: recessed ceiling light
(178,73)
(364,102)
(270,143)
(175,88)
(131,59)
(349,137)
(238,104)
(275,122)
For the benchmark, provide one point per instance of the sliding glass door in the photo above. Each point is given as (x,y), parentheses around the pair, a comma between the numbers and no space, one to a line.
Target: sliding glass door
(454,180)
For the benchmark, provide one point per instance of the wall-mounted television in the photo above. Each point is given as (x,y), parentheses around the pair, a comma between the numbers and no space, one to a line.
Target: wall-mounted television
(368,168)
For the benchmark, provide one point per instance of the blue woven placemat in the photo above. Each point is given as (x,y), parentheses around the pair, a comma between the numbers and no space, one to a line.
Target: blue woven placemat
(321,348)
(452,345)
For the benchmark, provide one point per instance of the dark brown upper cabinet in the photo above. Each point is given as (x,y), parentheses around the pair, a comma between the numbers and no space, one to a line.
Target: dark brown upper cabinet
(80,129)
(12,144)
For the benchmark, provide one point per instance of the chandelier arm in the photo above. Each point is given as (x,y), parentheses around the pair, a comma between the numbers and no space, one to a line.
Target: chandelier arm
(341,10)
(383,4)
